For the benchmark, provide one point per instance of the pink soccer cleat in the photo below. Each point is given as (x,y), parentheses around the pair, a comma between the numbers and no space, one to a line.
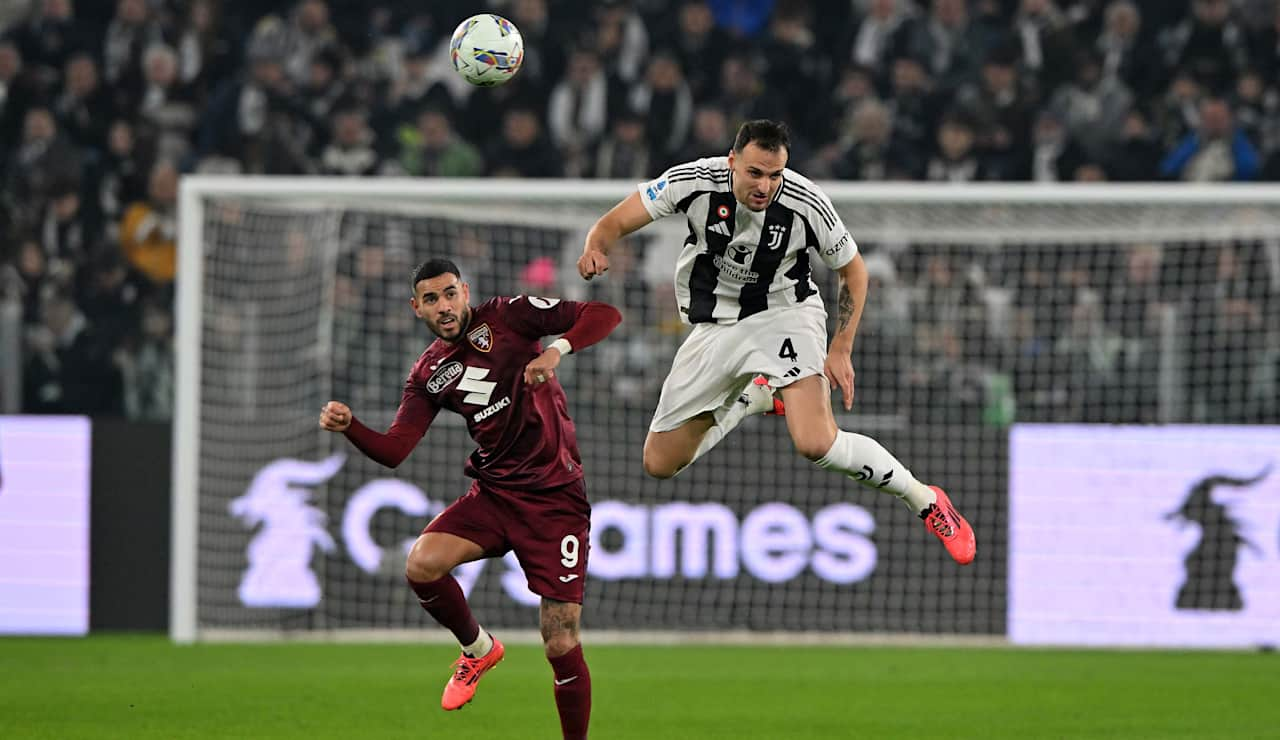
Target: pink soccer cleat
(461,689)
(942,519)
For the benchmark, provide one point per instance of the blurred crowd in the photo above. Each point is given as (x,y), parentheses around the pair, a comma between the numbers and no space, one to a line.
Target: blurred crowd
(104,104)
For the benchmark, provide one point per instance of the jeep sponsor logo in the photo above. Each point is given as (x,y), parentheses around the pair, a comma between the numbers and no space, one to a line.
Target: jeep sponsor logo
(441,378)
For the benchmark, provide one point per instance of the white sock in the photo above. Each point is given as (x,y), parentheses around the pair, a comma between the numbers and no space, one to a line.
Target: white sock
(759,399)
(481,647)
(868,462)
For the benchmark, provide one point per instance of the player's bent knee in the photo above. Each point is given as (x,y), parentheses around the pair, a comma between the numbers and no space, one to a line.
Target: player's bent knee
(660,466)
(424,565)
(660,469)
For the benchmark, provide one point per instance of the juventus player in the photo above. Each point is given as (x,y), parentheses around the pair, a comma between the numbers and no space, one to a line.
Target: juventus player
(759,326)
(488,366)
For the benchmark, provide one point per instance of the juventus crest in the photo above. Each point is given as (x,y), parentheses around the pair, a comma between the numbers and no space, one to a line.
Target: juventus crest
(776,233)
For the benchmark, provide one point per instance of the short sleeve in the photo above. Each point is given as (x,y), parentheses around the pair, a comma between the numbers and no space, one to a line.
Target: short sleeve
(535,317)
(835,244)
(662,196)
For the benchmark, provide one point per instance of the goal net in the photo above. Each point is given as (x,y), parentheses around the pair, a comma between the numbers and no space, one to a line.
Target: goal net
(999,320)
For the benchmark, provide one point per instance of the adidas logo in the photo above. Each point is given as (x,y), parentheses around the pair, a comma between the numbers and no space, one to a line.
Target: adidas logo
(720,227)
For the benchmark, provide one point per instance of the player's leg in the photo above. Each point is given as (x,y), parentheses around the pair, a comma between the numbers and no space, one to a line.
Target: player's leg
(463,532)
(428,569)
(667,453)
(816,437)
(551,536)
(705,395)
(560,640)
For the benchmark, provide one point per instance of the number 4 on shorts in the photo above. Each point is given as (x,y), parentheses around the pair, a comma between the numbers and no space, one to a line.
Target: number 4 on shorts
(787,352)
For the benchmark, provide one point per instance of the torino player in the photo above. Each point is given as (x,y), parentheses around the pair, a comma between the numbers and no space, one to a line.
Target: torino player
(488,365)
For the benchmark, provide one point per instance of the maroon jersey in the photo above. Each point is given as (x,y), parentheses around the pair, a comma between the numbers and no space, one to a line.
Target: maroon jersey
(524,434)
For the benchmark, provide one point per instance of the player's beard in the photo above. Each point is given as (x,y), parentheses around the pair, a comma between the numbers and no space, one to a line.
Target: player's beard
(463,320)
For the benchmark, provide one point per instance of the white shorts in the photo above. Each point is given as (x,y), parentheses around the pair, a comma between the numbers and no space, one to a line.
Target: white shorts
(716,361)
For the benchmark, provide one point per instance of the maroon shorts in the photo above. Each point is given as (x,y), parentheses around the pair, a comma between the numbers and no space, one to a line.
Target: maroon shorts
(548,530)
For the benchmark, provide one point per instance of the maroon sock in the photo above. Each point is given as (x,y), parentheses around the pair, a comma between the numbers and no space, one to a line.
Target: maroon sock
(444,601)
(573,693)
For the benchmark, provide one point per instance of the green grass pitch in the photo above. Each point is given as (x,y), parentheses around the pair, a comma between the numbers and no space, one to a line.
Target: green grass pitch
(143,687)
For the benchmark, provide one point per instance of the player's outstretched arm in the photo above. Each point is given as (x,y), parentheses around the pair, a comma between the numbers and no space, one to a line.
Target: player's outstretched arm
(624,218)
(390,449)
(853,296)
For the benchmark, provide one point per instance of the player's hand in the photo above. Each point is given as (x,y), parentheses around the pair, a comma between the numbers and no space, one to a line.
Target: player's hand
(335,416)
(839,371)
(592,262)
(543,367)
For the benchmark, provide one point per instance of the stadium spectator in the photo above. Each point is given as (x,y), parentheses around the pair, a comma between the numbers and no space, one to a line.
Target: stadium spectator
(916,108)
(68,230)
(68,366)
(49,39)
(1136,156)
(1002,107)
(1218,151)
(165,107)
(16,94)
(874,32)
(955,159)
(624,152)
(1210,44)
(110,293)
(578,111)
(1135,306)
(350,151)
(148,231)
(664,97)
(523,150)
(84,108)
(117,178)
(700,46)
(710,135)
(432,148)
(27,275)
(145,363)
(44,159)
(134,28)
(1092,107)
(872,152)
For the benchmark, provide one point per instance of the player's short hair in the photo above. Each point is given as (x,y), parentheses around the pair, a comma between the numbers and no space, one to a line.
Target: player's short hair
(432,268)
(768,135)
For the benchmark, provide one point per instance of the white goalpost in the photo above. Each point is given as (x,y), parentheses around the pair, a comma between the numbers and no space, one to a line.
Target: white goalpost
(1023,307)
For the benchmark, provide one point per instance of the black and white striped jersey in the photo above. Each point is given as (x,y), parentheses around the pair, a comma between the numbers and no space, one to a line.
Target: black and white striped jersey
(737,262)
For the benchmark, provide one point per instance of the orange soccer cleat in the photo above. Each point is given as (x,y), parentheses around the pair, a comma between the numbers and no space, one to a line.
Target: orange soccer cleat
(942,519)
(461,689)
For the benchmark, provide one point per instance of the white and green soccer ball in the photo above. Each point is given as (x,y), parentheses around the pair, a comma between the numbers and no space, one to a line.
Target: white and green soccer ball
(487,49)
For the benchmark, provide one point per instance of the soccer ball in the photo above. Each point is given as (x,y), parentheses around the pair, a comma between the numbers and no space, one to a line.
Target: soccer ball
(486,49)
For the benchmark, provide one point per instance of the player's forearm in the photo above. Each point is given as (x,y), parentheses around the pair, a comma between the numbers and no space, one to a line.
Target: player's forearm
(624,218)
(604,234)
(852,298)
(388,449)
(594,323)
